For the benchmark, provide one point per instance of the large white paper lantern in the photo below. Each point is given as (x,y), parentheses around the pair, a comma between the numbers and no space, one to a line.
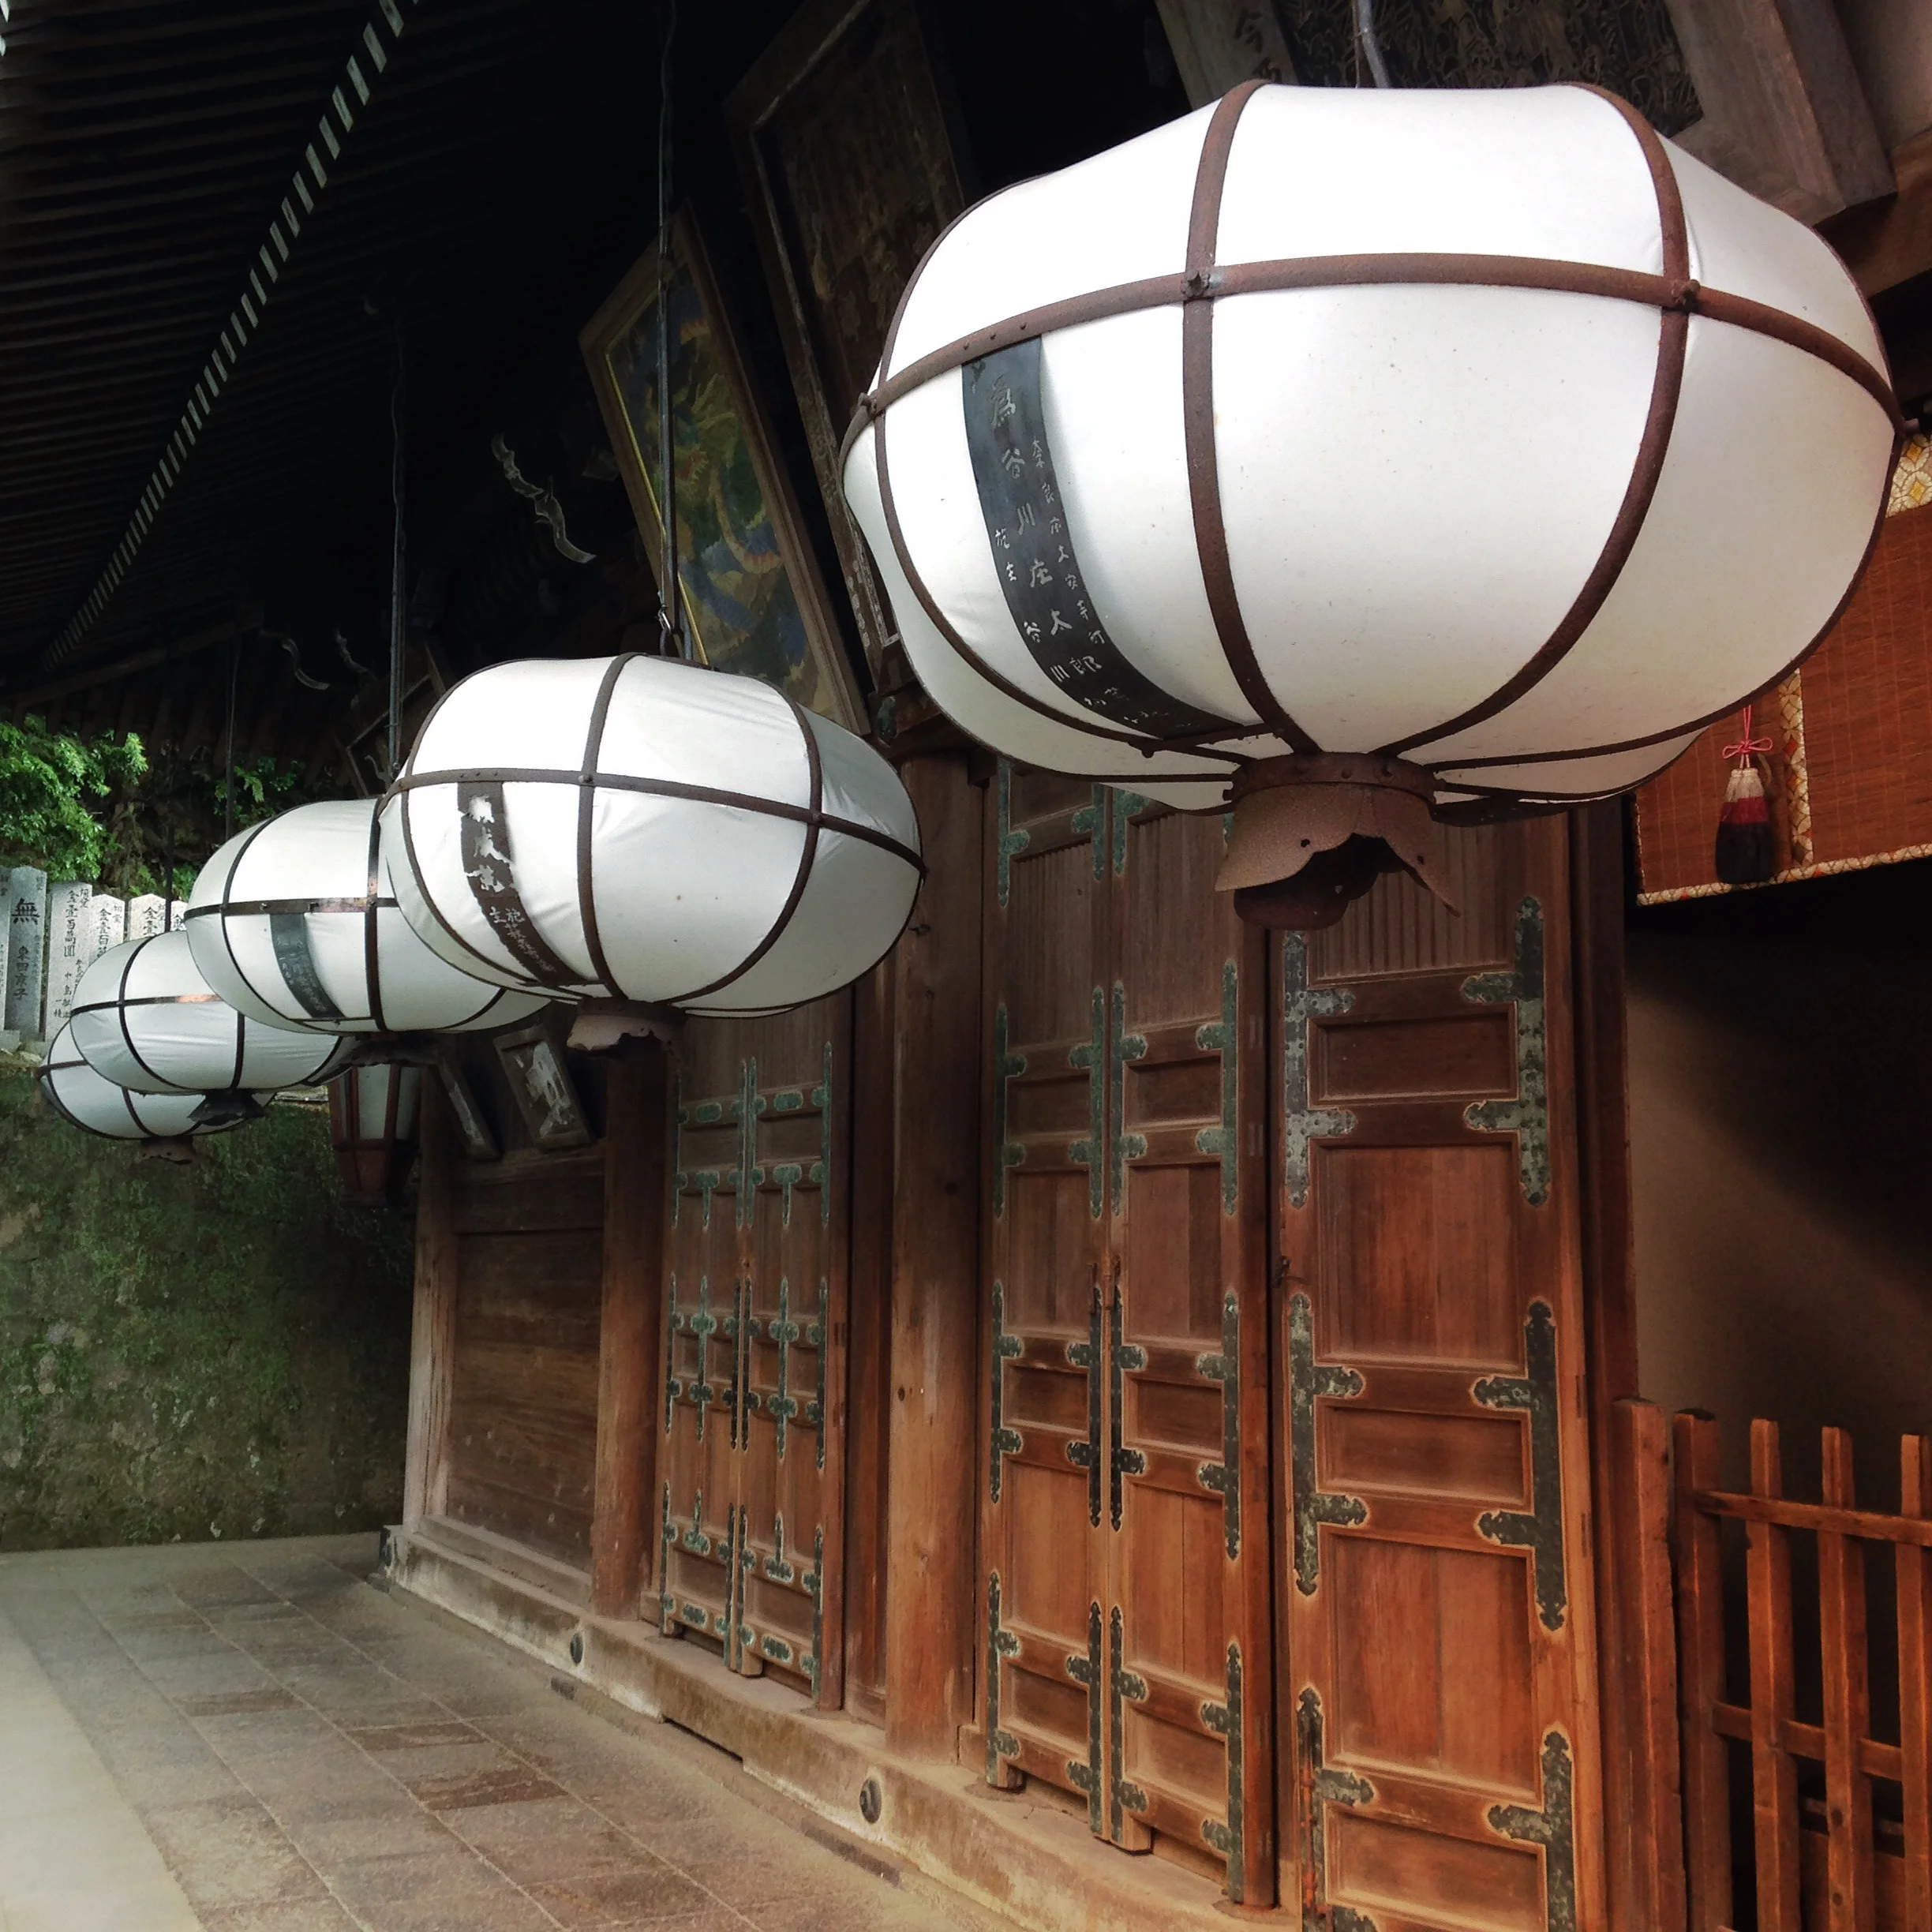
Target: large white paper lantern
(644,830)
(94,1103)
(295,922)
(145,1018)
(1366,454)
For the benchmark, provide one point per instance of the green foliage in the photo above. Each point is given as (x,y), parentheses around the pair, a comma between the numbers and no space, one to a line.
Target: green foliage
(47,779)
(220,1349)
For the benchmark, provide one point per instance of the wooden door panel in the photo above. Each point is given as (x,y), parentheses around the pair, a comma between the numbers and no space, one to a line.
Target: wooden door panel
(1440,1686)
(1126,1649)
(751,1516)
(1044,1687)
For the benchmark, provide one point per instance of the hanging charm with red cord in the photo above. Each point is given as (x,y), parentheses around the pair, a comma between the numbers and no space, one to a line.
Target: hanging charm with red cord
(1745,854)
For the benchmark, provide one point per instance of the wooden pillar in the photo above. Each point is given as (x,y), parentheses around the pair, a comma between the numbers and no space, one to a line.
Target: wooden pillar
(635,1168)
(932,1518)
(432,1331)
(1633,1635)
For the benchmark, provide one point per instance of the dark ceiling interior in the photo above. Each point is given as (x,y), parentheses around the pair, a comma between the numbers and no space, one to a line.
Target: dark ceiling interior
(491,190)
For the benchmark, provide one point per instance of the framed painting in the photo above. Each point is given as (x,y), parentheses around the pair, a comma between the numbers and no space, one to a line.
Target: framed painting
(752,595)
(540,1083)
(850,171)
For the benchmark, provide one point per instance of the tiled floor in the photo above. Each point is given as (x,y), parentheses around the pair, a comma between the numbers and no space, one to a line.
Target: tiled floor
(310,1754)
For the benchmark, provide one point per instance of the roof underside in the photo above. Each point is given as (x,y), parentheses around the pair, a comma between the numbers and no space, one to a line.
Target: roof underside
(148,149)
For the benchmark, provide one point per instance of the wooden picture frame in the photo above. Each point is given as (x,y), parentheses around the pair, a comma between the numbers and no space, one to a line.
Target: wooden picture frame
(473,1127)
(847,151)
(546,1097)
(752,595)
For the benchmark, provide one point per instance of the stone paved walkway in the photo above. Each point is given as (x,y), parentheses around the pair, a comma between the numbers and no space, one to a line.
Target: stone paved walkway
(310,1754)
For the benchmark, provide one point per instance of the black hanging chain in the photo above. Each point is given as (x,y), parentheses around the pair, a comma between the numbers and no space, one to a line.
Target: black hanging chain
(397,631)
(676,640)
(234,666)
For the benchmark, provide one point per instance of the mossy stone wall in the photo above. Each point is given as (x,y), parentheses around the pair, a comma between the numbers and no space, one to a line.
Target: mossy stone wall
(220,1348)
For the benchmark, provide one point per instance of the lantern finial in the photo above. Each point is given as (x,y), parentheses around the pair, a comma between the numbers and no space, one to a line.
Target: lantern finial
(1314,831)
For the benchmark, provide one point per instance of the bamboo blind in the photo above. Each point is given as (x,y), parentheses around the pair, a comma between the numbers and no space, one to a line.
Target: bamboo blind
(1849,777)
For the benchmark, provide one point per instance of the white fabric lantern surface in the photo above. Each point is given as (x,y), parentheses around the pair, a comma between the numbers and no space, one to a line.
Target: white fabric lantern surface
(295,922)
(94,1103)
(1486,432)
(641,829)
(145,1018)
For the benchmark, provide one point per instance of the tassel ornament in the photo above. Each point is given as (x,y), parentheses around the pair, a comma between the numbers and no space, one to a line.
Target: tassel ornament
(1744,854)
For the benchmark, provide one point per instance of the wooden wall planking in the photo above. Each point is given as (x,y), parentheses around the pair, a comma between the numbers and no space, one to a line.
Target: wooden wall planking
(425,1478)
(636,1132)
(930,1590)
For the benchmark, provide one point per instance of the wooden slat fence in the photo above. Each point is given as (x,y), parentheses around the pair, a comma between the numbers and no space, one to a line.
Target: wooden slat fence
(1824,1858)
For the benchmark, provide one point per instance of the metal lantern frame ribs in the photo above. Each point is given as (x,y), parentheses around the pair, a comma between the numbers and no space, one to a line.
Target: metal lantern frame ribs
(295,956)
(502,906)
(1196,289)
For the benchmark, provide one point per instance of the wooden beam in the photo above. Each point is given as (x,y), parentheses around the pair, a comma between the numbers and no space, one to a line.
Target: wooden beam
(635,1129)
(433,1335)
(1784,114)
(932,1511)
(1886,242)
(239,625)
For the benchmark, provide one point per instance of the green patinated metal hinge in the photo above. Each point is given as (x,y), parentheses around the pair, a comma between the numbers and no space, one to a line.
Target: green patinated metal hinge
(1089,1057)
(1125,1687)
(1088,1778)
(1553,1827)
(1086,1355)
(701,1324)
(1321,1788)
(1527,1116)
(667,1539)
(1007,1348)
(674,1326)
(1007,844)
(815,1333)
(1541,1529)
(1222,1037)
(1000,1644)
(1123,1358)
(1123,1147)
(1125,805)
(1223,1478)
(1307,1382)
(1301,1123)
(790,1174)
(1228,1836)
(743,1328)
(782,1332)
(1092,819)
(703,1182)
(1007,1152)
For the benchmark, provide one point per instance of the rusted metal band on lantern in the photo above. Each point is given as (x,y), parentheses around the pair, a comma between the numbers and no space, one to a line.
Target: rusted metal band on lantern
(928,603)
(586,812)
(1653,446)
(808,853)
(1197,416)
(371,909)
(1202,283)
(813,816)
(1509,758)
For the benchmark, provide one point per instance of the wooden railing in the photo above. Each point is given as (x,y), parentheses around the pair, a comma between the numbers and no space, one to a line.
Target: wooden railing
(1824,1857)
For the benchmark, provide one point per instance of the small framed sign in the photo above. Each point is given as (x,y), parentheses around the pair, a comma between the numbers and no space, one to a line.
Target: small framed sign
(473,1128)
(540,1083)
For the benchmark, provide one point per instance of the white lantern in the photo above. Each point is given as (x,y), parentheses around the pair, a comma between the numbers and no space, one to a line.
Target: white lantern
(145,1018)
(1357,455)
(295,922)
(94,1103)
(644,830)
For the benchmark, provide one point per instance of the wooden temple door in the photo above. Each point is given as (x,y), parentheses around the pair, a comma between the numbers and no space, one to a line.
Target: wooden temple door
(1128,1655)
(1438,1682)
(750,1524)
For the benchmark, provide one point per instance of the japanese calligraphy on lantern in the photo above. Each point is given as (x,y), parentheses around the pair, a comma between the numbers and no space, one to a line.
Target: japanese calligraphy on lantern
(1039,573)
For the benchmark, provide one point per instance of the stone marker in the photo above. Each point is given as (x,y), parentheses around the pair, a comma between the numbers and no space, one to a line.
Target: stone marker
(70,940)
(177,912)
(145,917)
(27,892)
(108,917)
